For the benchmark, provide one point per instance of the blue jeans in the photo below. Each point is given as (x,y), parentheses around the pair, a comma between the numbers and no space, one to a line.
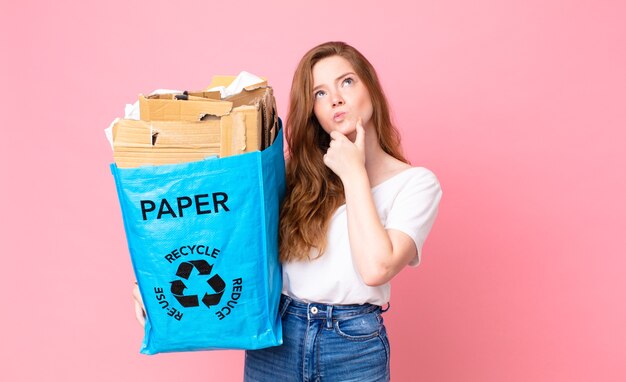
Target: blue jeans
(324,343)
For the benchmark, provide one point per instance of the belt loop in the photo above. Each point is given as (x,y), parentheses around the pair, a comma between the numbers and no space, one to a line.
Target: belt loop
(329,317)
(285,304)
(387,308)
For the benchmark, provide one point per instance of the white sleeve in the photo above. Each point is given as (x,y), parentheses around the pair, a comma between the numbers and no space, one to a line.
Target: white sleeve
(415,208)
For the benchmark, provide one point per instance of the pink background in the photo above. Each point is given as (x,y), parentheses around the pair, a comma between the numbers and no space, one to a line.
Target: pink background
(518,107)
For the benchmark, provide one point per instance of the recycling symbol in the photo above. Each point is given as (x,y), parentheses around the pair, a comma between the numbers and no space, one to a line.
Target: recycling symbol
(215,283)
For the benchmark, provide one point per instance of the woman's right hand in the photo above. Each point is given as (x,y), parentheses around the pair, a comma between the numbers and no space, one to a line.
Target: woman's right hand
(140,309)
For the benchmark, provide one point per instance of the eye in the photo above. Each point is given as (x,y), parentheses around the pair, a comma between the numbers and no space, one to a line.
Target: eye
(347,81)
(319,94)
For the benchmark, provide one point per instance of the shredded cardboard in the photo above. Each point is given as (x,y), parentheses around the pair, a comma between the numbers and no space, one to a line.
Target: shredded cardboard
(191,126)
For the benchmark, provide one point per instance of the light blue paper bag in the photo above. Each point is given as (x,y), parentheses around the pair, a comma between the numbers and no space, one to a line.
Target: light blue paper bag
(203,240)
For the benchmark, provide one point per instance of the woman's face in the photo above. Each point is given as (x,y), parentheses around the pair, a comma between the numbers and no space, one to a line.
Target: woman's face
(339,96)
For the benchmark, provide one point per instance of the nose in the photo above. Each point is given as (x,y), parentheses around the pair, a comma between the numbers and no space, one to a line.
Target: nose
(337,100)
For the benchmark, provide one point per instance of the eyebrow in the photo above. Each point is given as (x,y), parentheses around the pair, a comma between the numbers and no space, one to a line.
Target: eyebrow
(336,79)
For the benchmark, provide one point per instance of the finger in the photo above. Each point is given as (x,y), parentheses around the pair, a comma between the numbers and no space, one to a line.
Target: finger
(140,314)
(140,310)
(336,135)
(360,134)
(137,294)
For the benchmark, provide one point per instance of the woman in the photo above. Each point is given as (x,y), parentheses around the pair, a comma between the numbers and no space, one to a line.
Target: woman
(354,215)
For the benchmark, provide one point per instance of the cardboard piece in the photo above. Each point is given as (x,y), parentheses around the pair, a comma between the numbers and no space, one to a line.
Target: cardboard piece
(165,107)
(137,143)
(173,130)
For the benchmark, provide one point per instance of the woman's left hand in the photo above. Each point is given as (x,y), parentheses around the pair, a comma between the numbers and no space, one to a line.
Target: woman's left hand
(344,156)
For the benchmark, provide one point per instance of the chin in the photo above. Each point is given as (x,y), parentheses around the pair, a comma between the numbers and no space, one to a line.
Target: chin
(350,134)
(346,127)
(345,131)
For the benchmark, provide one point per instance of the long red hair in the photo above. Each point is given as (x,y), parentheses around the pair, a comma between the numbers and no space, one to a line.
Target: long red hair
(314,192)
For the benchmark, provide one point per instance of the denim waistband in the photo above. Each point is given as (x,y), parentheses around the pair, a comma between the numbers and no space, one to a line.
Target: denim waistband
(316,310)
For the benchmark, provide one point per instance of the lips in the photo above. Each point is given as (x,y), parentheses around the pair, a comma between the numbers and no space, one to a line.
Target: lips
(339,116)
